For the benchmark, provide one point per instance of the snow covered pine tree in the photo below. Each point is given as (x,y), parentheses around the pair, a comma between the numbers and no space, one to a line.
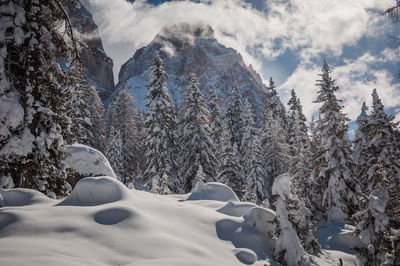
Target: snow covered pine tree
(360,153)
(233,117)
(161,139)
(33,36)
(336,176)
(251,159)
(125,121)
(379,223)
(86,111)
(229,169)
(216,119)
(197,147)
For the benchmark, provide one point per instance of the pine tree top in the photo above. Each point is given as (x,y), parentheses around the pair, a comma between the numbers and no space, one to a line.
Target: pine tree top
(378,114)
(361,119)
(157,86)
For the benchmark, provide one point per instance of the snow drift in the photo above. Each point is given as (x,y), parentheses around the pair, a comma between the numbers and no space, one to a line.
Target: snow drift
(85,161)
(104,223)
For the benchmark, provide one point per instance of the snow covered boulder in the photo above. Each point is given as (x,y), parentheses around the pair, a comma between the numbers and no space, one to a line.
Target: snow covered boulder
(21,197)
(212,191)
(261,219)
(86,162)
(96,191)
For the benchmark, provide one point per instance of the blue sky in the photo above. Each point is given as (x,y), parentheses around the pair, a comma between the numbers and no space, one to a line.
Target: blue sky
(285,39)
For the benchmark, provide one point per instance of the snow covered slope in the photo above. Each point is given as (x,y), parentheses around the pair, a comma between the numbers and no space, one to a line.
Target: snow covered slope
(191,48)
(104,223)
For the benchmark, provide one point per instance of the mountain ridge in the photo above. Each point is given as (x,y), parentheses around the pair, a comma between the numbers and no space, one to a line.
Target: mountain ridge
(97,65)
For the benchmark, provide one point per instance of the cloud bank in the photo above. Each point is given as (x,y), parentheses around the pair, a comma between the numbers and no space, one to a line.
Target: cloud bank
(309,29)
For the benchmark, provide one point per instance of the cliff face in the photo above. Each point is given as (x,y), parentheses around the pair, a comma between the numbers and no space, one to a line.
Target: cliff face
(192,48)
(97,65)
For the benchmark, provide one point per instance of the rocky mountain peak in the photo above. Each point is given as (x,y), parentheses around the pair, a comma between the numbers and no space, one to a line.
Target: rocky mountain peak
(191,48)
(97,65)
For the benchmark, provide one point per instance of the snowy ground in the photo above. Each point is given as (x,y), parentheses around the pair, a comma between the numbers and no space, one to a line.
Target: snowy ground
(104,223)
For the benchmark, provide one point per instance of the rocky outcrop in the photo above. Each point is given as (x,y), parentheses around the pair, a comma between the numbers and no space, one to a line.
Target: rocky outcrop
(97,65)
(192,48)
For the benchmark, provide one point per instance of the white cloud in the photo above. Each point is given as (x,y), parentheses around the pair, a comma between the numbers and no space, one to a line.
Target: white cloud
(303,82)
(356,79)
(309,28)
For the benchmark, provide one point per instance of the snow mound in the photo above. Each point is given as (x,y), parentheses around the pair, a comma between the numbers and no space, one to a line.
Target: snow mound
(281,185)
(7,219)
(236,209)
(21,197)
(139,228)
(246,256)
(87,161)
(378,200)
(261,219)
(212,191)
(338,236)
(96,191)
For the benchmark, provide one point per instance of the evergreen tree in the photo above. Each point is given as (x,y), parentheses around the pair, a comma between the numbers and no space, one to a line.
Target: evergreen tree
(276,155)
(197,145)
(288,247)
(96,110)
(114,153)
(299,149)
(379,222)
(297,127)
(251,159)
(125,119)
(360,154)
(140,157)
(161,138)
(315,162)
(384,138)
(336,175)
(34,34)
(78,108)
(274,105)
(300,215)
(86,111)
(375,222)
(216,119)
(233,117)
(301,165)
(229,167)
(249,131)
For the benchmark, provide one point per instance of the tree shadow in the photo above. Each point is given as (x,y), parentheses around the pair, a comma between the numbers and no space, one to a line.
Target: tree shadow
(243,236)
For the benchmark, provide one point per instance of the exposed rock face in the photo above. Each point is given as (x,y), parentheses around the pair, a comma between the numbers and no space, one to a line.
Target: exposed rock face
(97,65)
(192,48)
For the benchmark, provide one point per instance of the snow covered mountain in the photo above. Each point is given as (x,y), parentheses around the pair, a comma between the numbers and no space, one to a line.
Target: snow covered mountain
(192,48)
(97,65)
